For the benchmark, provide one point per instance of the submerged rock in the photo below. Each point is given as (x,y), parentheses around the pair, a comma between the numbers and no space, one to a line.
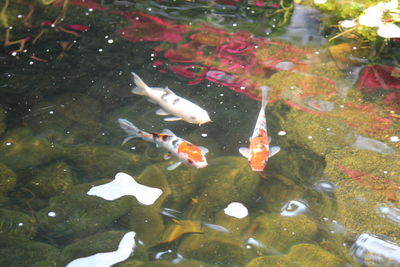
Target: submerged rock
(69,118)
(23,252)
(8,179)
(216,248)
(365,182)
(17,224)
(52,180)
(21,149)
(225,180)
(97,162)
(300,255)
(276,234)
(76,214)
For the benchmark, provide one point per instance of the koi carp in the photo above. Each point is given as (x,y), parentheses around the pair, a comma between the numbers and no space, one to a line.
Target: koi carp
(185,151)
(259,150)
(171,104)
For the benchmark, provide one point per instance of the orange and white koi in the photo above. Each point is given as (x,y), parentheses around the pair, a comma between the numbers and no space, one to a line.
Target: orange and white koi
(178,107)
(259,150)
(185,151)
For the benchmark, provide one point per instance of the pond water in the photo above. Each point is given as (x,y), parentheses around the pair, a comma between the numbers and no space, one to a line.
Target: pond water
(72,195)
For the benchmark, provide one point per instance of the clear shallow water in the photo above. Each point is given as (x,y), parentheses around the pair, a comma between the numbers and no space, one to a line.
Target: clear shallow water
(330,196)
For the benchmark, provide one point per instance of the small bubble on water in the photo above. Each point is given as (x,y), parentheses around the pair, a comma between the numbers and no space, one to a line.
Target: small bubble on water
(8,144)
(19,16)
(133,148)
(281,133)
(100,50)
(110,41)
(309,137)
(242,87)
(30,62)
(90,9)
(51,112)
(234,24)
(51,214)
(204,135)
(221,94)
(21,224)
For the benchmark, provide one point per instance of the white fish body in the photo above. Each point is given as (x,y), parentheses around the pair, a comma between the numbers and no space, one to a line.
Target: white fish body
(170,103)
(185,151)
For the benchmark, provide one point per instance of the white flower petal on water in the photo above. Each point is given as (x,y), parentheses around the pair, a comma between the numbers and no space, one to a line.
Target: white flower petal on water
(237,210)
(348,23)
(320,1)
(125,248)
(124,185)
(389,30)
(372,16)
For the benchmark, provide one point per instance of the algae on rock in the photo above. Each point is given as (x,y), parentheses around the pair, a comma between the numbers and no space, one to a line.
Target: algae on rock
(8,180)
(2,121)
(16,224)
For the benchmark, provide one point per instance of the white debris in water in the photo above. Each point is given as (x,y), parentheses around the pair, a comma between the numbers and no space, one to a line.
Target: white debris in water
(124,185)
(320,1)
(237,210)
(394,139)
(347,23)
(8,144)
(281,133)
(293,208)
(367,143)
(204,135)
(100,50)
(110,41)
(51,214)
(20,224)
(125,248)
(309,137)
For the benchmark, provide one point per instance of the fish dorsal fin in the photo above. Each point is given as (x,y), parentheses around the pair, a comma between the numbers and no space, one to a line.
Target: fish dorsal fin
(172,119)
(161,112)
(169,91)
(174,166)
(168,132)
(244,151)
(273,150)
(203,149)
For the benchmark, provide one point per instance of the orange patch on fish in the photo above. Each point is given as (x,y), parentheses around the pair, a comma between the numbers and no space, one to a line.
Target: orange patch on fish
(192,151)
(259,151)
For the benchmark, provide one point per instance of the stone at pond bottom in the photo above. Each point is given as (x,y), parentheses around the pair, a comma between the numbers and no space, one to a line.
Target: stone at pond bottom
(276,234)
(75,214)
(365,182)
(23,252)
(8,179)
(225,180)
(68,119)
(124,185)
(216,248)
(16,223)
(51,180)
(125,248)
(20,149)
(301,255)
(98,162)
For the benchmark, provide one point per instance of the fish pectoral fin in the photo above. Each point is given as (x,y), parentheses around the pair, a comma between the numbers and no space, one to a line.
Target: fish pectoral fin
(174,166)
(138,91)
(244,151)
(168,132)
(128,138)
(203,149)
(273,150)
(151,101)
(172,119)
(167,156)
(161,112)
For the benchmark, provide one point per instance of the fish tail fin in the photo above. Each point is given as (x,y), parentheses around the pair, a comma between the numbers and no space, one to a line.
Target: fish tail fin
(264,90)
(129,128)
(141,88)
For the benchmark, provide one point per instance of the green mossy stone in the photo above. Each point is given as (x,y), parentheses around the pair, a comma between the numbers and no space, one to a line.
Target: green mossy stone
(224,180)
(164,263)
(8,179)
(373,188)
(147,221)
(16,224)
(78,214)
(278,233)
(234,225)
(317,133)
(217,248)
(68,118)
(301,255)
(97,243)
(20,149)
(22,252)
(52,180)
(3,125)
(103,162)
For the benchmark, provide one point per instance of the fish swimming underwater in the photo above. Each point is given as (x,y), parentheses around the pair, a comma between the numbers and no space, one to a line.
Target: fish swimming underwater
(185,151)
(178,107)
(259,150)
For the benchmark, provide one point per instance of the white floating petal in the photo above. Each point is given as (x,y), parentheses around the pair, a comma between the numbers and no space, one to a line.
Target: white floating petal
(372,16)
(348,23)
(320,1)
(124,185)
(125,248)
(236,209)
(389,30)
